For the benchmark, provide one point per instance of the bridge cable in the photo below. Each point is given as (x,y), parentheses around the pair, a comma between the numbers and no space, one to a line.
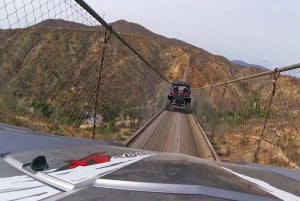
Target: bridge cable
(142,95)
(276,70)
(220,105)
(84,5)
(276,75)
(106,38)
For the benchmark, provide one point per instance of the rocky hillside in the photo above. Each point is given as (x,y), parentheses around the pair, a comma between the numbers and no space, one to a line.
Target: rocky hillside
(58,62)
(56,43)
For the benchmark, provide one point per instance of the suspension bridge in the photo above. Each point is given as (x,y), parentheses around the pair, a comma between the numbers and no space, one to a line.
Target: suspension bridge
(114,90)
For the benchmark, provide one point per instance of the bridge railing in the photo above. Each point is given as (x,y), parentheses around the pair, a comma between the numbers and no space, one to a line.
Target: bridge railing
(62,72)
(256,117)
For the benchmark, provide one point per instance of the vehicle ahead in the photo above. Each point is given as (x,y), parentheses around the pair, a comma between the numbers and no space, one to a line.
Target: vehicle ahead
(179,97)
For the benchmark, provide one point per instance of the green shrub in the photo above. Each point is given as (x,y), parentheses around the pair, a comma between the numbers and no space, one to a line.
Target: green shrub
(45,109)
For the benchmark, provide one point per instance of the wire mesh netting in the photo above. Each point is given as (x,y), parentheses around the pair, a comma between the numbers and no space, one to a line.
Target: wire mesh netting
(61,72)
(25,13)
(254,119)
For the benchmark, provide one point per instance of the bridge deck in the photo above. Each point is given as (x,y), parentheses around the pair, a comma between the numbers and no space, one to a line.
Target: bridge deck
(173,132)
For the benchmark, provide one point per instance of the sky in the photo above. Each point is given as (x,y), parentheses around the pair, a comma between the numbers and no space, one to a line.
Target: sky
(264,32)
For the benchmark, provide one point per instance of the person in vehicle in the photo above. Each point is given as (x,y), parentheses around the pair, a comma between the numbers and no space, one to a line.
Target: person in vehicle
(174,91)
(185,92)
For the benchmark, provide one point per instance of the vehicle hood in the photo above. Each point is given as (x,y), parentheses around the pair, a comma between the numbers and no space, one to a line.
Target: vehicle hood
(102,172)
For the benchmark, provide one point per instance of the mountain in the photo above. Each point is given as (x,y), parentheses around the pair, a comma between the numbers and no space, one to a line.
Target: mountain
(75,41)
(54,61)
(55,23)
(242,63)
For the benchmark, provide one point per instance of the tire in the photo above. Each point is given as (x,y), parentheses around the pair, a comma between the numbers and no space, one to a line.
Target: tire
(188,108)
(168,106)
